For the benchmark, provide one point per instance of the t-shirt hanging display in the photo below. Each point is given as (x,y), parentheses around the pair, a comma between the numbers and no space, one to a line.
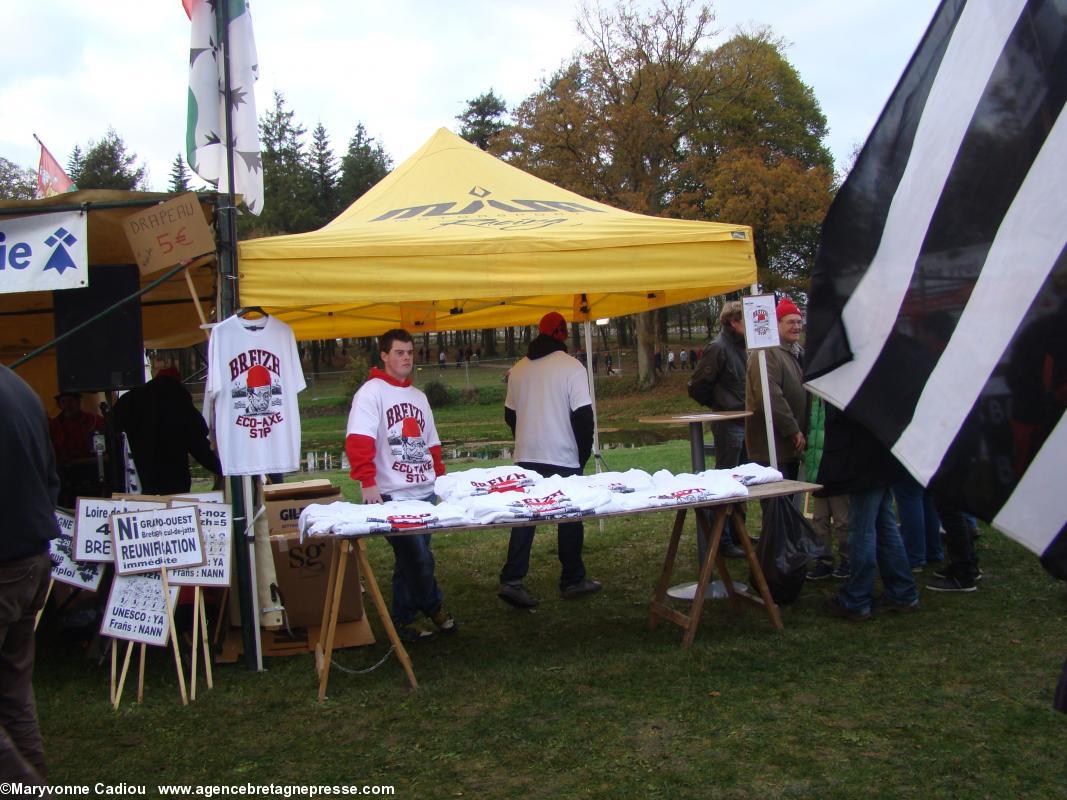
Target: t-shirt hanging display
(253,379)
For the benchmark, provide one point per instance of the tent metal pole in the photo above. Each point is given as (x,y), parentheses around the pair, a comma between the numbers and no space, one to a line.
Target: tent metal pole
(597,458)
(244,555)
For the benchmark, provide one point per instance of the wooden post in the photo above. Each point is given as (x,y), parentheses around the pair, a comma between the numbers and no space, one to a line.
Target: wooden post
(383,612)
(196,631)
(47,594)
(333,610)
(204,643)
(140,674)
(174,636)
(122,678)
(114,672)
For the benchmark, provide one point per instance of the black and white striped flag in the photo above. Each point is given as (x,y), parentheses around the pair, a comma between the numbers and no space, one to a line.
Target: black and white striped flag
(938,311)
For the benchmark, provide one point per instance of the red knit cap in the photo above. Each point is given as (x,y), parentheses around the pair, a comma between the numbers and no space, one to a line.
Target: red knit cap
(553,324)
(785,308)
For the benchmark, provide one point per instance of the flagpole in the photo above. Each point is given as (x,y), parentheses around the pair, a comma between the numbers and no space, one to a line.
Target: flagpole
(230,303)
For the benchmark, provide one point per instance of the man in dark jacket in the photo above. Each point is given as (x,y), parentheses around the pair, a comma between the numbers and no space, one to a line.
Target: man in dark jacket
(550,411)
(164,429)
(855,463)
(29,487)
(719,384)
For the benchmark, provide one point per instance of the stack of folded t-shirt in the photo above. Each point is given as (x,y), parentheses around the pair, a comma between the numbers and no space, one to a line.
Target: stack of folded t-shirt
(476,482)
(751,474)
(351,519)
(549,498)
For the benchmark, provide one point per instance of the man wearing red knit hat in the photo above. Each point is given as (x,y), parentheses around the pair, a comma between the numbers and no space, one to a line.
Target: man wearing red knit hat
(789,400)
(549,410)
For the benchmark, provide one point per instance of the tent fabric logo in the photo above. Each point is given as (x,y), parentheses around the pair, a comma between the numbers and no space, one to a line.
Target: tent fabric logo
(60,260)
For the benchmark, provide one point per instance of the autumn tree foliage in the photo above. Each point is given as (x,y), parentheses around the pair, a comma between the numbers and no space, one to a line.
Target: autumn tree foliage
(650,117)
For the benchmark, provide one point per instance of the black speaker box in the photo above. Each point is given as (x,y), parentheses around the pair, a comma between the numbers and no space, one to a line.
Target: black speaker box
(109,353)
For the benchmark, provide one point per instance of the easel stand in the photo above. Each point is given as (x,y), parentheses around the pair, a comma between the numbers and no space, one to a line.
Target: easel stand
(200,642)
(331,611)
(710,524)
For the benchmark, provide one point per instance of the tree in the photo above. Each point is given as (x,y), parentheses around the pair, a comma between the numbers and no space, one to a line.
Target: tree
(16,183)
(74,162)
(179,176)
(324,172)
(106,165)
(287,175)
(365,163)
(483,119)
(649,118)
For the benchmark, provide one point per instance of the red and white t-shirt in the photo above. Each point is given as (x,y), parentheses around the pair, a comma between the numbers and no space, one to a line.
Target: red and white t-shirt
(253,379)
(392,441)
(478,481)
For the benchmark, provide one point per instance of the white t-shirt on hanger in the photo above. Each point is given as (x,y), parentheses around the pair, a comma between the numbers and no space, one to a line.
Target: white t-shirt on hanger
(253,378)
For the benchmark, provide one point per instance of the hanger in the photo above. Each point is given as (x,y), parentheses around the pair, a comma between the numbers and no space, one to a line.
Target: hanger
(244,311)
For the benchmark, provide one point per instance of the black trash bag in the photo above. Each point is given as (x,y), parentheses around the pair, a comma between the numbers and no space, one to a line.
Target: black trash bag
(786,546)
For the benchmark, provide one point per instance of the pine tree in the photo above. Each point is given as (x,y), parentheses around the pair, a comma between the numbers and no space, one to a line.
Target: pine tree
(287,175)
(74,164)
(483,119)
(365,163)
(179,175)
(107,165)
(324,172)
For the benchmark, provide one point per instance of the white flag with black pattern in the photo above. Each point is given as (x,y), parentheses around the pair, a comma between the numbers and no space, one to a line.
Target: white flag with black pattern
(938,312)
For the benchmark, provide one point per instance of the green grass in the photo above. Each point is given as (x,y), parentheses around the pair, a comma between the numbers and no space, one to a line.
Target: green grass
(580,700)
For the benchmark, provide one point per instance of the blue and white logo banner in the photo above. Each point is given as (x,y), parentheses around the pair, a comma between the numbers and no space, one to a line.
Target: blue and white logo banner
(44,252)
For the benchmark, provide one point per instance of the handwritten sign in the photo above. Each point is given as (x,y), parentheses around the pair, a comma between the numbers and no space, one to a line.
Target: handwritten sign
(212,496)
(92,535)
(136,610)
(218,535)
(761,322)
(168,538)
(64,568)
(168,234)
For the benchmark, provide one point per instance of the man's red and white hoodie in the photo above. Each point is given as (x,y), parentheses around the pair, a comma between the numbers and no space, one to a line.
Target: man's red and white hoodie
(391,441)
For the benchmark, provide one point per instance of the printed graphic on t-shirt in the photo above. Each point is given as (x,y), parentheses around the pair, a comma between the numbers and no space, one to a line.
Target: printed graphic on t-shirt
(508,483)
(405,423)
(256,392)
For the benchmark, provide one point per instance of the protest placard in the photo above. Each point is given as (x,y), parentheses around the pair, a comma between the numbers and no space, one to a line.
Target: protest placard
(65,569)
(164,538)
(761,322)
(92,534)
(136,610)
(217,532)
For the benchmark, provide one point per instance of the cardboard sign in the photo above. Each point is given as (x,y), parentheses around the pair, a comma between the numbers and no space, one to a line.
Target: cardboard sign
(92,534)
(168,234)
(218,535)
(64,568)
(214,496)
(761,321)
(165,538)
(44,252)
(136,610)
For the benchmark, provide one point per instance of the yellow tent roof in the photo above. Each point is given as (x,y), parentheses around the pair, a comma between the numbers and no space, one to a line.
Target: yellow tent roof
(454,238)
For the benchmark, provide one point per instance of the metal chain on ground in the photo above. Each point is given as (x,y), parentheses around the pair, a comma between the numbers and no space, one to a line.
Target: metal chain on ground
(350,671)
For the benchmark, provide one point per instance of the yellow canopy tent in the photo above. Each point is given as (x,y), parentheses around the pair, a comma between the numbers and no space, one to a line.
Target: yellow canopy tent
(168,316)
(454,238)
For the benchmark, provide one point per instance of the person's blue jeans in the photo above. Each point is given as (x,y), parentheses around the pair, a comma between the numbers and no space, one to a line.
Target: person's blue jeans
(920,527)
(874,543)
(415,588)
(569,539)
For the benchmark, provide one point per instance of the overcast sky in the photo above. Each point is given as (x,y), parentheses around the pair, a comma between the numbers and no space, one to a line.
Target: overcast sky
(69,69)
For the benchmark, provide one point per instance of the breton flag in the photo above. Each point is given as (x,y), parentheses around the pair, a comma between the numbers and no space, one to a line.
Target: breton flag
(51,178)
(938,311)
(205,137)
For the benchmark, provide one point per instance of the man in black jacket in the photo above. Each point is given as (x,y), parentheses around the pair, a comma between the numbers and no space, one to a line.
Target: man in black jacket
(164,429)
(549,410)
(29,487)
(719,384)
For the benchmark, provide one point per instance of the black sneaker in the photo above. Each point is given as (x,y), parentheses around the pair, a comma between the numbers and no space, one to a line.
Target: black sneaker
(942,572)
(583,587)
(950,583)
(445,622)
(409,634)
(841,572)
(732,550)
(516,595)
(882,605)
(821,571)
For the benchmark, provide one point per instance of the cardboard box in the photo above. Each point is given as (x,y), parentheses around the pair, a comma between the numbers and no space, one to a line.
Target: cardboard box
(302,571)
(285,501)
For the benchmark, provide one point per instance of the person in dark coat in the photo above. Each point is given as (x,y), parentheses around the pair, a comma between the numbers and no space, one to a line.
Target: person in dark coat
(164,428)
(855,463)
(29,487)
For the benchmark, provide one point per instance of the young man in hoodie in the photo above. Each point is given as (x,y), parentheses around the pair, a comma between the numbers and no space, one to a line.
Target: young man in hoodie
(550,412)
(395,453)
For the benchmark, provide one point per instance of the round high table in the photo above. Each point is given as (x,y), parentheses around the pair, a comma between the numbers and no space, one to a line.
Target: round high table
(685,591)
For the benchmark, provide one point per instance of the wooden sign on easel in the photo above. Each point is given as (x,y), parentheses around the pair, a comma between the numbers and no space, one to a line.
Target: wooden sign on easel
(218,539)
(136,611)
(80,575)
(143,541)
(92,534)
